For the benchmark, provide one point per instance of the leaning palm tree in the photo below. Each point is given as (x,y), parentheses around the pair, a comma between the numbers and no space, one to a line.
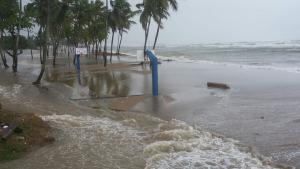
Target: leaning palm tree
(41,9)
(120,20)
(147,12)
(125,22)
(161,12)
(112,22)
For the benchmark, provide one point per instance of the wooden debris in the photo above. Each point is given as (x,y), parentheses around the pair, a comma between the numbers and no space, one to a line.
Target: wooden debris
(218,85)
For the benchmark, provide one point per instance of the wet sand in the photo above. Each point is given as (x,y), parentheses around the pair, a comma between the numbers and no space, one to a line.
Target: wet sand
(260,109)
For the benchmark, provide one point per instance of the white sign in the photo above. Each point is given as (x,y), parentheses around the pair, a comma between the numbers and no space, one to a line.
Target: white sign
(81,51)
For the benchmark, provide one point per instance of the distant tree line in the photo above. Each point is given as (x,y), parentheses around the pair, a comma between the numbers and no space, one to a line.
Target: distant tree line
(70,23)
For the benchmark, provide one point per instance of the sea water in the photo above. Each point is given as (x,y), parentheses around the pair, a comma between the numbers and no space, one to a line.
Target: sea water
(277,55)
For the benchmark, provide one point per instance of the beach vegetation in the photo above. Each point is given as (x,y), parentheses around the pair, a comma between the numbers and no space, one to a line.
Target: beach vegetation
(156,10)
(63,25)
(12,20)
(162,8)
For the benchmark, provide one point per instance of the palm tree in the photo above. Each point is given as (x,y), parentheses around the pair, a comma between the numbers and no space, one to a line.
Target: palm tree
(96,25)
(12,21)
(125,22)
(145,18)
(42,17)
(59,10)
(112,22)
(30,18)
(162,7)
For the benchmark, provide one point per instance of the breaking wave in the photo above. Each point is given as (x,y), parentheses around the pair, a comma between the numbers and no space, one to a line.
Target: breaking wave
(187,59)
(178,145)
(136,141)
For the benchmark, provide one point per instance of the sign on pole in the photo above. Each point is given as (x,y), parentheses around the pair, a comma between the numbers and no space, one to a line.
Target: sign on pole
(81,51)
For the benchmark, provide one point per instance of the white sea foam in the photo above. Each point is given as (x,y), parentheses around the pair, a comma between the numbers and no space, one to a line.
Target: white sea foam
(100,142)
(179,146)
(186,59)
(92,142)
(10,92)
(263,44)
(286,155)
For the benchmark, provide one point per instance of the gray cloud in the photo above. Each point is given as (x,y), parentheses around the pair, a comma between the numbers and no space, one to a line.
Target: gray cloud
(206,21)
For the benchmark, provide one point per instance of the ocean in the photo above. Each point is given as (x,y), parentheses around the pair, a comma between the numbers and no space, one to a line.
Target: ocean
(275,55)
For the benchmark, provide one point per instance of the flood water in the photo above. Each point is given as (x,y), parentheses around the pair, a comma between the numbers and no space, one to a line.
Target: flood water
(152,134)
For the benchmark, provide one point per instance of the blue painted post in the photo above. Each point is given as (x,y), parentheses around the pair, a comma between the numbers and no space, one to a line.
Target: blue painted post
(154,63)
(78,62)
(77,58)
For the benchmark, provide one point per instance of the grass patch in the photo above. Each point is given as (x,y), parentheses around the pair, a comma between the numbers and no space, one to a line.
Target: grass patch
(34,132)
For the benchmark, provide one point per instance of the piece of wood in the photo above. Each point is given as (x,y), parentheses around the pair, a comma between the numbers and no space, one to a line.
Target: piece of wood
(6,132)
(218,85)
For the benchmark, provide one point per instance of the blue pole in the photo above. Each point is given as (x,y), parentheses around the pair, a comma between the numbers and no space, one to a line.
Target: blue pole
(77,58)
(78,62)
(154,80)
(154,64)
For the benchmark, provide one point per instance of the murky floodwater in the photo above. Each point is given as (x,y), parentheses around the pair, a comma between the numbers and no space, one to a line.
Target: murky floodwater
(100,142)
(89,137)
(129,140)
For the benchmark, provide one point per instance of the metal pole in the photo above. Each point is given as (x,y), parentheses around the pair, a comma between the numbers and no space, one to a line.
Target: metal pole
(78,62)
(154,64)
(154,79)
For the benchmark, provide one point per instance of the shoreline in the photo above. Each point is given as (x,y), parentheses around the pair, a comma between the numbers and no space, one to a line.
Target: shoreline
(169,92)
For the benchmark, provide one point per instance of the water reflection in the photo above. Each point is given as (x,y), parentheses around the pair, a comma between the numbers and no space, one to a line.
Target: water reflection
(93,85)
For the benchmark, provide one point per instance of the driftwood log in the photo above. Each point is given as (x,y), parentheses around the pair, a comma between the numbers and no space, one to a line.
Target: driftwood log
(218,85)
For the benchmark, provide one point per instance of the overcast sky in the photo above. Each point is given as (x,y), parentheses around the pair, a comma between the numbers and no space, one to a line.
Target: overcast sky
(210,21)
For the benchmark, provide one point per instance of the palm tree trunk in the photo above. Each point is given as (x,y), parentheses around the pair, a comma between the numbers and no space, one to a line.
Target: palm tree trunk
(1,51)
(118,42)
(38,80)
(93,48)
(41,57)
(68,46)
(15,53)
(28,37)
(121,38)
(55,47)
(97,46)
(146,37)
(16,47)
(31,53)
(100,48)
(157,32)
(105,44)
(3,57)
(112,43)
